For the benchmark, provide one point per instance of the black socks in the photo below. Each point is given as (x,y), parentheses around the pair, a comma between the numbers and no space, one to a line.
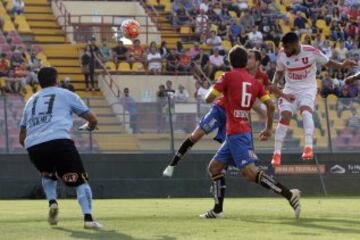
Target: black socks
(218,186)
(185,146)
(271,184)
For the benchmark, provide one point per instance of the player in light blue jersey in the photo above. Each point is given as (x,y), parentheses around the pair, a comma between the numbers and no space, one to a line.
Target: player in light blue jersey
(45,133)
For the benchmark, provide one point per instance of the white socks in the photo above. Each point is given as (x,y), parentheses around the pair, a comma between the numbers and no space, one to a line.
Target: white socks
(308,124)
(280,134)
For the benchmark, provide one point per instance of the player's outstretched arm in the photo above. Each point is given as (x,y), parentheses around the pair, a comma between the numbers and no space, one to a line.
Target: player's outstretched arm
(91,119)
(353,78)
(266,133)
(22,136)
(347,64)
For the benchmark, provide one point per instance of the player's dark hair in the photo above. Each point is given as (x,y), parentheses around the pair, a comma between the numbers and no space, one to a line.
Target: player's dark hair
(257,54)
(47,77)
(238,57)
(290,37)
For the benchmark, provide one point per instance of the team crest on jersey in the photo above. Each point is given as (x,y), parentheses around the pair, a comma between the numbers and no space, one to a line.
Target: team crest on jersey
(70,177)
(287,63)
(305,60)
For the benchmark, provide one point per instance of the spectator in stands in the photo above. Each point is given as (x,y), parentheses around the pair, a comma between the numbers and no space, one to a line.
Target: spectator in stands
(255,36)
(216,63)
(105,52)
(344,102)
(234,30)
(328,86)
(154,60)
(2,22)
(180,17)
(223,30)
(247,21)
(201,25)
(129,105)
(215,41)
(85,60)
(265,59)
(225,16)
(18,7)
(353,121)
(120,52)
(242,5)
(164,51)
(66,84)
(195,51)
(169,87)
(4,65)
(15,84)
(172,61)
(201,90)
(34,62)
(307,40)
(272,69)
(341,51)
(243,39)
(179,47)
(349,43)
(318,42)
(337,33)
(326,48)
(181,94)
(184,62)
(300,22)
(204,6)
(136,52)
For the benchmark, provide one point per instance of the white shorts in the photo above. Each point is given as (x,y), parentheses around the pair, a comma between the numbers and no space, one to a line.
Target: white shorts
(302,98)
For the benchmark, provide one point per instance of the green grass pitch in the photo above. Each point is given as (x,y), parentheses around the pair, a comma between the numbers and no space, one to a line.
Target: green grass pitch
(176,219)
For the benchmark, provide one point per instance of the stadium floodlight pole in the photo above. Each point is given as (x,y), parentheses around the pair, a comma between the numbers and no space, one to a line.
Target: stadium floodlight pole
(328,124)
(321,177)
(90,132)
(172,142)
(6,125)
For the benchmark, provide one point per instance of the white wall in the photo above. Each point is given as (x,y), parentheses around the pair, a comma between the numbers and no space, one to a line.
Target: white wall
(96,8)
(144,87)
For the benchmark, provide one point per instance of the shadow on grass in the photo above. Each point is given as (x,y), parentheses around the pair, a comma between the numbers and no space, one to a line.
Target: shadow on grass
(104,234)
(337,225)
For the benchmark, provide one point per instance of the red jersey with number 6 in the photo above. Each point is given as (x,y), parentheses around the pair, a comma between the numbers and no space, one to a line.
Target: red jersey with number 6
(240,89)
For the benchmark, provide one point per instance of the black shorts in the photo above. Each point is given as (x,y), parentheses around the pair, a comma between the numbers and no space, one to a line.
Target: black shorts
(58,157)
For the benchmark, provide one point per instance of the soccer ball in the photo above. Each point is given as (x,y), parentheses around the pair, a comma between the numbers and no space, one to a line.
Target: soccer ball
(130,28)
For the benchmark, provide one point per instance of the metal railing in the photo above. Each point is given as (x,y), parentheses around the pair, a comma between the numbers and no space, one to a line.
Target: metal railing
(161,126)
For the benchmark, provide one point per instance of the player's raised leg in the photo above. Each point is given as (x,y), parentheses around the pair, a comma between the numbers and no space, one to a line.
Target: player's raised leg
(186,145)
(252,174)
(280,134)
(309,127)
(214,119)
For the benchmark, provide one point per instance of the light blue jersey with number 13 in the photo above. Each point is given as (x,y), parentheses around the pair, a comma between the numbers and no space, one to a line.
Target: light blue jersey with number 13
(48,115)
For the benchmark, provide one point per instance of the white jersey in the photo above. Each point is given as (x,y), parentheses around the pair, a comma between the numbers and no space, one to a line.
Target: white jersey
(300,70)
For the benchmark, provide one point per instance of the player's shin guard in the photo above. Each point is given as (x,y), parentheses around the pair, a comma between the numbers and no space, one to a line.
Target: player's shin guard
(271,184)
(309,127)
(280,135)
(84,196)
(49,186)
(219,187)
(185,146)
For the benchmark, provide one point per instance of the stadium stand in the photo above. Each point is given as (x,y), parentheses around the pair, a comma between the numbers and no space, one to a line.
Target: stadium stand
(188,33)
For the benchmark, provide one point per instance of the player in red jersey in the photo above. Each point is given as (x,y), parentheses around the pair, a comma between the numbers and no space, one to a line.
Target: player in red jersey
(240,90)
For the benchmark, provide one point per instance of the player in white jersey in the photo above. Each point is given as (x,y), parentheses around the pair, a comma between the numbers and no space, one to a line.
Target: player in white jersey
(45,133)
(298,64)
